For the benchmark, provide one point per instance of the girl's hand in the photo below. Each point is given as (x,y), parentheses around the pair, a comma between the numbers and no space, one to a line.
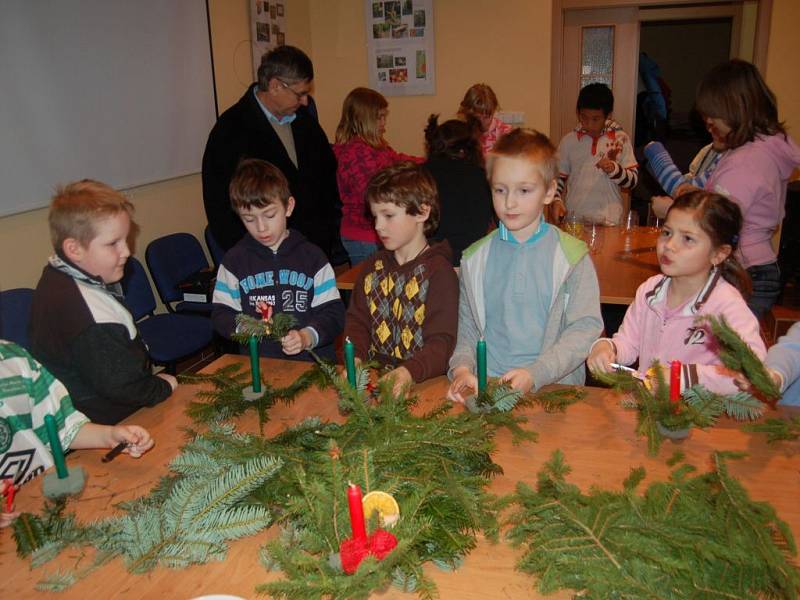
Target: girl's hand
(601,357)
(137,438)
(401,377)
(463,380)
(295,341)
(7,518)
(518,379)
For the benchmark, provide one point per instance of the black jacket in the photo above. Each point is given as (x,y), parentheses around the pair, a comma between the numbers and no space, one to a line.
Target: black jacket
(243,131)
(87,339)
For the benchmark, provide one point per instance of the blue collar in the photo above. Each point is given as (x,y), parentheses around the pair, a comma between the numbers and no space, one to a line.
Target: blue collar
(285,120)
(507,236)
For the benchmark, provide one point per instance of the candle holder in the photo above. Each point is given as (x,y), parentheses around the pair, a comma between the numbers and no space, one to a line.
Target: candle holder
(64,482)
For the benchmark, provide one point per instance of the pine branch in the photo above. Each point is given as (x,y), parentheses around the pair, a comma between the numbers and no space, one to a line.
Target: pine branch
(738,356)
(777,430)
(274,329)
(558,400)
(690,537)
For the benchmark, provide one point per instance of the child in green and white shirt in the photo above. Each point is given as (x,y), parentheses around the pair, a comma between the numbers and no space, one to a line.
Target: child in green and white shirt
(28,392)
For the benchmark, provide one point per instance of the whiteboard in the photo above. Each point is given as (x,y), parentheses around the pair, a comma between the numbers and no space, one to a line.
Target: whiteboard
(116,90)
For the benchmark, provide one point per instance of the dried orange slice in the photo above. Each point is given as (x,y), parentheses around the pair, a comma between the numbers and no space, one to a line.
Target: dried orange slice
(385,504)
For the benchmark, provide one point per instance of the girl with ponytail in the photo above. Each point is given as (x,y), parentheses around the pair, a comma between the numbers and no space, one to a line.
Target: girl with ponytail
(700,276)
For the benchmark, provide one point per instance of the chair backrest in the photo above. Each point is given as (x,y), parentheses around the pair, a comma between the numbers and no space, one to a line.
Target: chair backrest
(138,294)
(171,259)
(15,315)
(216,251)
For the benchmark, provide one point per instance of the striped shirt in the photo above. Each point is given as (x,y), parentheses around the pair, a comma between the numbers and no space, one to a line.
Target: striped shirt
(28,392)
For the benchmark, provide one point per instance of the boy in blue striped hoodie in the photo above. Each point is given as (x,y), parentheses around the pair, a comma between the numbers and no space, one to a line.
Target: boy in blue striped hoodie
(276,267)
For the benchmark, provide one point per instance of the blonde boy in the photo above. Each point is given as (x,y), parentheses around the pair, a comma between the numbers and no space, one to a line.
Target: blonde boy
(79,328)
(529,289)
(277,267)
(402,312)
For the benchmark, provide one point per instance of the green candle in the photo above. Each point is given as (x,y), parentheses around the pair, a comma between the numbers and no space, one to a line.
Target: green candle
(350,361)
(481,352)
(255,367)
(55,446)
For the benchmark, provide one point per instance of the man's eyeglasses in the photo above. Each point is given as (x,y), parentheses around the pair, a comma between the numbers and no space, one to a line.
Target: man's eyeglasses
(299,95)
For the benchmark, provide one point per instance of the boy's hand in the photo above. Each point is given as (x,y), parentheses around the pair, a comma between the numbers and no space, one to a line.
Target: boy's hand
(606,165)
(401,377)
(137,438)
(7,518)
(601,357)
(558,210)
(463,380)
(295,341)
(170,379)
(357,362)
(518,379)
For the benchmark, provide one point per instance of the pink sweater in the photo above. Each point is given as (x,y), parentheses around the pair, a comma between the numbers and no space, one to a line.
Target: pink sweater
(650,331)
(754,176)
(357,163)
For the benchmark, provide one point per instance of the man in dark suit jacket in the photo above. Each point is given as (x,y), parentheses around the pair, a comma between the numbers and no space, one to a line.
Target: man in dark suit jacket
(271,122)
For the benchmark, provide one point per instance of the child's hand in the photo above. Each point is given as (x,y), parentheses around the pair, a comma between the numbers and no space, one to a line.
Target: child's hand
(170,379)
(558,210)
(601,357)
(357,362)
(744,384)
(518,379)
(7,519)
(137,438)
(660,205)
(295,341)
(401,377)
(607,165)
(684,188)
(463,379)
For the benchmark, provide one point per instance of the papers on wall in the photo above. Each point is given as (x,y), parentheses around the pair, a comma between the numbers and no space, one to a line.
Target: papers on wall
(268,29)
(400,47)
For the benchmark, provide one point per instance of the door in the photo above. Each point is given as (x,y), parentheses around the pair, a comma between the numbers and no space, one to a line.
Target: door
(599,45)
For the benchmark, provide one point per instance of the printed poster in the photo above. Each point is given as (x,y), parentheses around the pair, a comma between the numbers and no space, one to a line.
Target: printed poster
(268,28)
(400,47)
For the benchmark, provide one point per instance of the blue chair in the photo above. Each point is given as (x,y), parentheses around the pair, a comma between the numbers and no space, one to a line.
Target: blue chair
(216,251)
(169,337)
(171,260)
(15,315)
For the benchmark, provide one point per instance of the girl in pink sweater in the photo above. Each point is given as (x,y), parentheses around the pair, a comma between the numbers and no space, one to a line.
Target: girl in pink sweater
(700,276)
(361,151)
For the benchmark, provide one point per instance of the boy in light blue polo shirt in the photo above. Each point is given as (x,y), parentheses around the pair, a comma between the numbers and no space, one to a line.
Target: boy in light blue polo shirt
(529,289)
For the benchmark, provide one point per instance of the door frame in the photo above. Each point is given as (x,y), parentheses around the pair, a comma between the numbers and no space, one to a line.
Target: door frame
(760,43)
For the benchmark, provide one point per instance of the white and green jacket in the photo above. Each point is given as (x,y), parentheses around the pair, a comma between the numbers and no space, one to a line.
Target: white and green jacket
(573,323)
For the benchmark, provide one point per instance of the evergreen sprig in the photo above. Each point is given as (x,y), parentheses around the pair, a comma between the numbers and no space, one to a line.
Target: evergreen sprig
(558,400)
(777,430)
(277,327)
(736,355)
(224,400)
(697,407)
(694,536)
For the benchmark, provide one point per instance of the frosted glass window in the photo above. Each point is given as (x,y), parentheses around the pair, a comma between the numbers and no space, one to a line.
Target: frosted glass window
(597,55)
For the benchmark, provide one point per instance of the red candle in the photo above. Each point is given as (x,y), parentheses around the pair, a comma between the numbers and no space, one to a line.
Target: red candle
(675,382)
(356,513)
(10,497)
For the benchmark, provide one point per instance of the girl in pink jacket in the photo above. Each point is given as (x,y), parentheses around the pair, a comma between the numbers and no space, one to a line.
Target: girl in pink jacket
(700,276)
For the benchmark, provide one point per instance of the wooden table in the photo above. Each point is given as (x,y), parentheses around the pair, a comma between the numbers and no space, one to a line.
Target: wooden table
(597,437)
(624,262)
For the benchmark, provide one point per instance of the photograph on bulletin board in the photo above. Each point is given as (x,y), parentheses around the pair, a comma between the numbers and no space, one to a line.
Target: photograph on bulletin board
(400,47)
(268,28)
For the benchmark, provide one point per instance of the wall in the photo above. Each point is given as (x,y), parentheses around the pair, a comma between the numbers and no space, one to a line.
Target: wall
(506,45)
(169,206)
(784,48)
